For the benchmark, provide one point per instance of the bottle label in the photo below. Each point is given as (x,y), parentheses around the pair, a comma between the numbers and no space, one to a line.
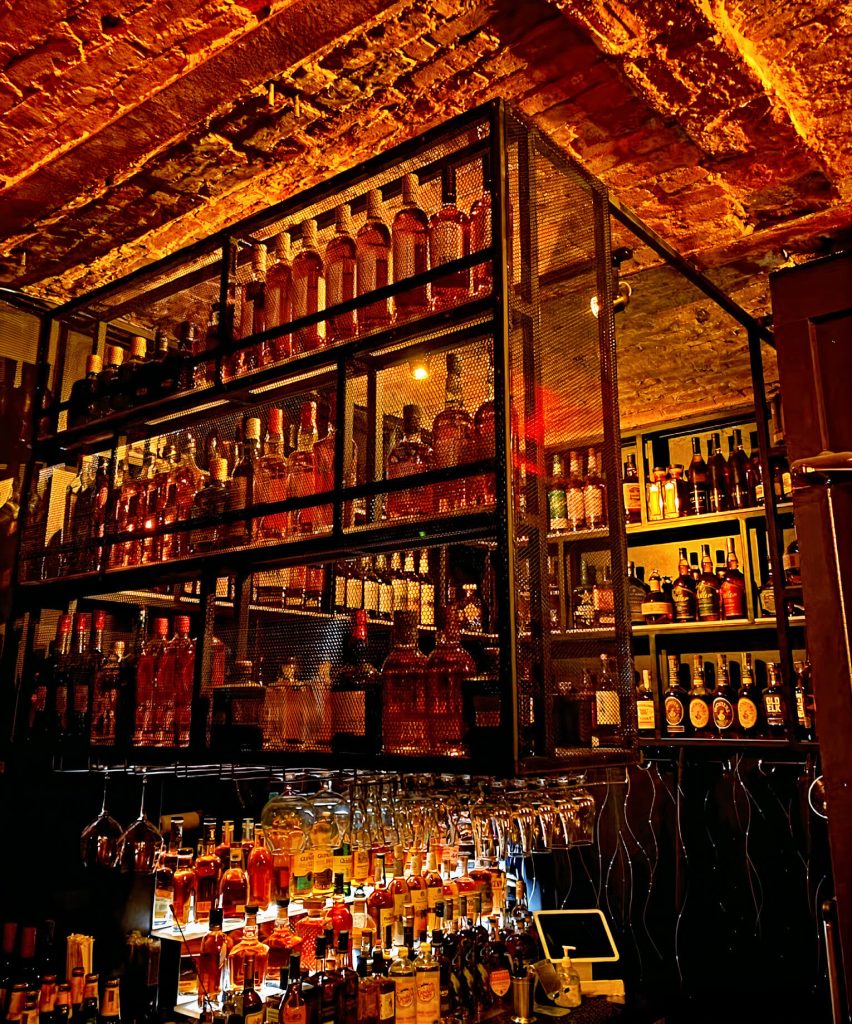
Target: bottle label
(499,981)
(674,715)
(273,1015)
(419,900)
(645,715)
(699,713)
(684,604)
(434,896)
(384,918)
(656,609)
(360,864)
(767,601)
(295,1014)
(387,1008)
(607,707)
(342,865)
(576,508)
(699,500)
(802,715)
(303,864)
(733,601)
(405,1000)
(723,713)
(428,996)
(708,601)
(747,713)
(758,493)
(323,860)
(557,507)
(593,504)
(632,496)
(399,905)
(774,707)
(253,1018)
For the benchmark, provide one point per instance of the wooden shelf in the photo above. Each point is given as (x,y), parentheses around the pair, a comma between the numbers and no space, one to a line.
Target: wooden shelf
(726,625)
(717,743)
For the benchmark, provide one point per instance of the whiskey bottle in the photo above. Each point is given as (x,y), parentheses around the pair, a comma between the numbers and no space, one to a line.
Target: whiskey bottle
(766,595)
(732,590)
(606,722)
(208,504)
(106,696)
(279,297)
(740,490)
(340,262)
(557,506)
(404,716)
(447,668)
(302,470)
(448,241)
(481,490)
(775,702)
(410,244)
(480,230)
(574,494)
(409,457)
(656,494)
(594,501)
(183,652)
(273,477)
(683,591)
(675,701)
(700,701)
(603,599)
(699,497)
(450,430)
(748,718)
(309,290)
(671,497)
(657,607)
(756,483)
(187,479)
(717,477)
(207,871)
(356,697)
(243,493)
(646,711)
(233,886)
(373,257)
(635,594)
(790,564)
(124,393)
(427,591)
(583,608)
(109,378)
(259,869)
(707,590)
(251,1004)
(213,954)
(79,679)
(631,491)
(724,712)
(83,402)
(805,705)
(164,368)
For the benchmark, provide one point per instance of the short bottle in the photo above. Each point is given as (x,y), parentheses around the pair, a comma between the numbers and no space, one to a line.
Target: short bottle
(657,607)
(646,711)
(570,994)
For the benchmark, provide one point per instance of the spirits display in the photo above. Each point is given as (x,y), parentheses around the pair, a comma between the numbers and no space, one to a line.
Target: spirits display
(410,248)
(340,263)
(373,248)
(450,430)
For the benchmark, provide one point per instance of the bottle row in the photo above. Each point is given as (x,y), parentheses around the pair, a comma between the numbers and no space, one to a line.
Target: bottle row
(134,510)
(697,706)
(578,501)
(271,295)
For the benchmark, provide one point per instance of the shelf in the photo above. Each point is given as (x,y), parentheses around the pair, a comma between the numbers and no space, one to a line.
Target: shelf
(187,1004)
(198,931)
(717,743)
(726,625)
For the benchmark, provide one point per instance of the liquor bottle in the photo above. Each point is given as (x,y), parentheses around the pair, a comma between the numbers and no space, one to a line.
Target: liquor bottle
(724,710)
(766,595)
(700,701)
(427,591)
(385,607)
(672,491)
(606,724)
(805,705)
(279,297)
(338,917)
(707,589)
(646,712)
(293,1008)
(756,483)
(248,951)
(480,230)
(635,594)
(447,668)
(309,290)
(775,702)
(717,478)
(404,715)
(208,868)
(212,956)
(106,697)
(603,599)
(80,679)
(340,262)
(302,469)
(631,491)
(482,490)
(233,885)
(184,886)
(782,485)
(356,696)
(110,1011)
(83,402)
(656,495)
(252,1004)
(283,944)
(675,701)
(594,501)
(684,591)
(244,491)
(403,975)
(208,504)
(259,869)
(449,240)
(273,478)
(557,506)
(108,380)
(733,587)
(427,973)
(164,368)
(791,565)
(373,247)
(346,1007)
(748,717)
(62,1006)
(658,606)
(125,385)
(450,430)
(409,457)
(380,905)
(186,480)
(583,607)
(740,490)
(699,496)
(410,245)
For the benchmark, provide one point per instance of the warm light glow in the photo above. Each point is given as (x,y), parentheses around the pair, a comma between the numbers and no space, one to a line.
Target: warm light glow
(418,367)
(594,306)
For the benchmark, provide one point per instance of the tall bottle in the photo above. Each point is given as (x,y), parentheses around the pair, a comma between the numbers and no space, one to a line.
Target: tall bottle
(212,956)
(340,263)
(805,704)
(260,871)
(631,491)
(209,503)
(575,493)
(80,678)
(594,499)
(748,715)
(274,477)
(83,402)
(403,975)
(356,696)
(427,972)
(405,728)
(448,241)
(774,702)
(480,230)
(410,456)
(309,290)
(707,589)
(252,1004)
(482,490)
(700,700)
(244,492)
(724,700)
(374,249)
(646,712)
(606,724)
(699,498)
(756,482)
(233,885)
(302,469)
(717,477)
(293,1007)
(208,868)
(675,702)
(279,296)
(732,591)
(447,668)
(683,591)
(108,380)
(410,246)
(739,489)
(557,508)
(450,430)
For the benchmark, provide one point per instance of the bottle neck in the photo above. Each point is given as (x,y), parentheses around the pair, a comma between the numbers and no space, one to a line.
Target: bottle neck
(454,398)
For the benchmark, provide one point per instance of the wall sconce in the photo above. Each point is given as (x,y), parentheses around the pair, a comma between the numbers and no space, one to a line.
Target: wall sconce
(418,366)
(622,289)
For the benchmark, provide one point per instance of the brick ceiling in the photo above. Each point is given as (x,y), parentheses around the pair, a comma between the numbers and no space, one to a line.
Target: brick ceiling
(127,131)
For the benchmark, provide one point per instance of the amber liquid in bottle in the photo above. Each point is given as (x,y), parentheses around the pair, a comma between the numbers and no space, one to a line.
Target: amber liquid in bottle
(374,247)
(450,430)
(410,245)
(309,290)
(404,685)
(409,457)
(340,263)
(448,241)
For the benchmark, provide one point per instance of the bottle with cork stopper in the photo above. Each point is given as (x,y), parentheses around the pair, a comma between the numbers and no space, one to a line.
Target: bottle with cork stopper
(243,491)
(273,477)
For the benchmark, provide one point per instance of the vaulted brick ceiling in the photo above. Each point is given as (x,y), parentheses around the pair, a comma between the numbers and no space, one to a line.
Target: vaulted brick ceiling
(127,131)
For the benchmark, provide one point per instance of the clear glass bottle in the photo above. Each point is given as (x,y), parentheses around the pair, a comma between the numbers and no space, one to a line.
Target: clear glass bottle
(260,871)
(404,686)
(410,246)
(233,885)
(183,652)
(479,444)
(380,905)
(212,957)
(449,240)
(373,246)
(340,275)
(250,316)
(209,503)
(279,297)
(410,457)
(450,430)
(447,668)
(309,290)
(184,886)
(603,599)
(302,469)
(283,943)
(208,868)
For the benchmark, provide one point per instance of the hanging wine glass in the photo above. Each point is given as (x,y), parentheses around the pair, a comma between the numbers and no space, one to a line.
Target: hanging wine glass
(141,842)
(99,839)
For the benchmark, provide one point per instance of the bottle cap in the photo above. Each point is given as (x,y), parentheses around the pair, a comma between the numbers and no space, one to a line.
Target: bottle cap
(282,247)
(99,618)
(410,188)
(309,234)
(374,204)
(161,627)
(138,348)
(182,624)
(258,259)
(275,421)
(219,469)
(343,219)
(251,911)
(252,429)
(93,364)
(411,417)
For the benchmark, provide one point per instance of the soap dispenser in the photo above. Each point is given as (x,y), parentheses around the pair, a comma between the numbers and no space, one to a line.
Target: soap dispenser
(569,980)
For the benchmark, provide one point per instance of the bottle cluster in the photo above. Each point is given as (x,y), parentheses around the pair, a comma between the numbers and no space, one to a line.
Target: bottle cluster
(724,700)
(576,499)
(587,709)
(276,288)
